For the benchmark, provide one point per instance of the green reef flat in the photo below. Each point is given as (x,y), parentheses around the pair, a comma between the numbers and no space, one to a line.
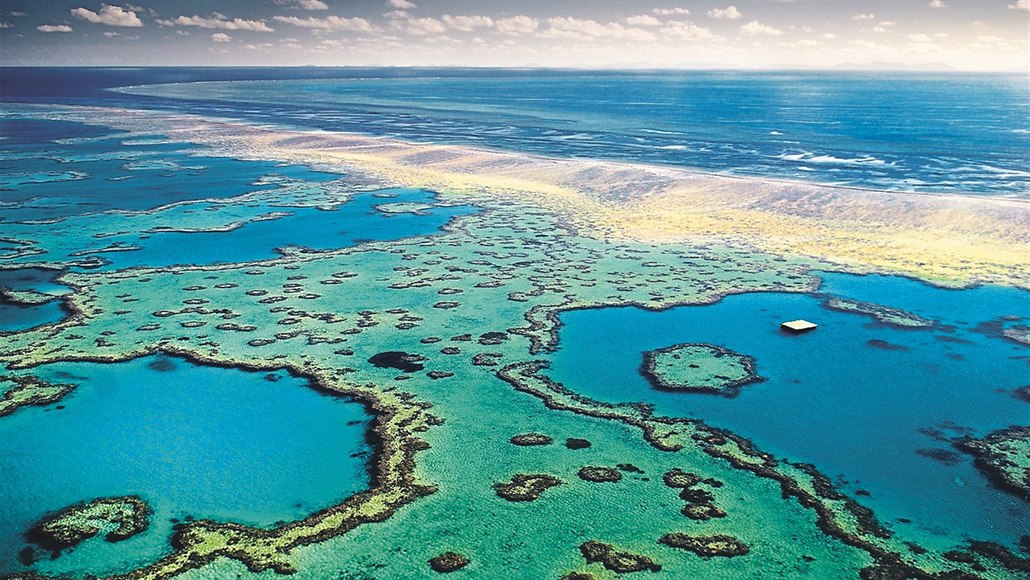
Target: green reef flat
(1005,457)
(121,517)
(482,465)
(699,368)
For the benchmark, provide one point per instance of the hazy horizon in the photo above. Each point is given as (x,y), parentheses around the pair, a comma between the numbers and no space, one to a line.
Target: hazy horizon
(924,35)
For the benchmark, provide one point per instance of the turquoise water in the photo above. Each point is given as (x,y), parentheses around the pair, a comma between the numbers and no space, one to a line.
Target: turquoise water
(353,222)
(831,398)
(191,440)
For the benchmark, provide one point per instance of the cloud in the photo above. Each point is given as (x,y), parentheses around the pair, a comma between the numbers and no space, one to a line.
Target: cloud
(863,17)
(219,21)
(643,20)
(578,29)
(424,26)
(110,34)
(686,31)
(330,23)
(829,36)
(517,25)
(304,4)
(1021,5)
(671,11)
(937,4)
(401,4)
(754,28)
(919,37)
(16,14)
(467,23)
(54,28)
(221,37)
(6,24)
(109,15)
(728,13)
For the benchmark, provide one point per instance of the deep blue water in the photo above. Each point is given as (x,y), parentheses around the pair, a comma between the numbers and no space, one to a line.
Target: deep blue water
(961,132)
(17,317)
(190,440)
(832,398)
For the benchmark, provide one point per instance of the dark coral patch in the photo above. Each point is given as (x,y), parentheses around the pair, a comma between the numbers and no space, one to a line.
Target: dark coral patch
(618,561)
(677,478)
(530,439)
(599,474)
(448,562)
(526,486)
(574,443)
(706,546)
(395,359)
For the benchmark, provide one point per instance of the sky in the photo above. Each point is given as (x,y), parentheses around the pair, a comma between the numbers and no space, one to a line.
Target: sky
(904,34)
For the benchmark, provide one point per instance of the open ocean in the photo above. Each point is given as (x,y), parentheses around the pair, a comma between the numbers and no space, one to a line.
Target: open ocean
(925,132)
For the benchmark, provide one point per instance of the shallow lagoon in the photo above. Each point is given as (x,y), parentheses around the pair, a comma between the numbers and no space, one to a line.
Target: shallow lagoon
(98,170)
(353,222)
(867,403)
(191,440)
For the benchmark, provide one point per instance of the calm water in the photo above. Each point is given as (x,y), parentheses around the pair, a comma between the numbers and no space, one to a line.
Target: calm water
(190,440)
(868,405)
(351,223)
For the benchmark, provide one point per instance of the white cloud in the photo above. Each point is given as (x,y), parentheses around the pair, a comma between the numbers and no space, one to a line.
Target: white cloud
(467,23)
(424,26)
(219,21)
(517,25)
(401,4)
(577,29)
(110,34)
(16,14)
(808,43)
(863,17)
(729,13)
(395,14)
(919,37)
(329,23)
(1021,5)
(879,29)
(643,20)
(671,11)
(6,24)
(886,23)
(829,36)
(221,37)
(54,28)
(681,30)
(304,4)
(937,4)
(754,28)
(109,15)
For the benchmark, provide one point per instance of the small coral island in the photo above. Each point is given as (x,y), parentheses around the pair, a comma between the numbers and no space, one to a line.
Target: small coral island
(120,517)
(1004,457)
(699,368)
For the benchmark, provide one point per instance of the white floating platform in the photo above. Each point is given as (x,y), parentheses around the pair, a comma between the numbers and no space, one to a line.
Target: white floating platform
(798,326)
